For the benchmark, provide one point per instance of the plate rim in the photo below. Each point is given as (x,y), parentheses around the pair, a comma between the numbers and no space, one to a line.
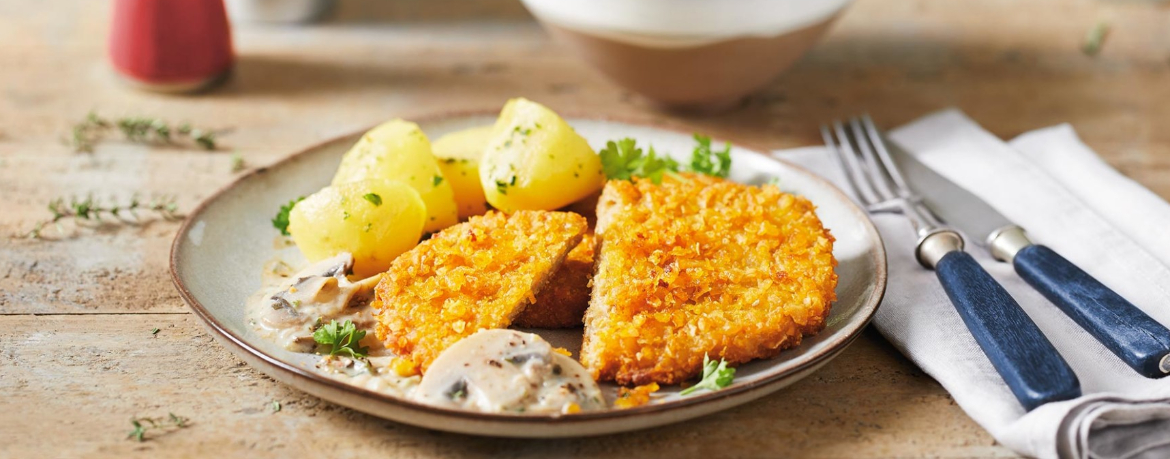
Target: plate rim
(246,351)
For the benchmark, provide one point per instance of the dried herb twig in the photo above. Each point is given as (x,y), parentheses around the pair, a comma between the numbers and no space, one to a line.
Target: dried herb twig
(141,425)
(89,209)
(146,130)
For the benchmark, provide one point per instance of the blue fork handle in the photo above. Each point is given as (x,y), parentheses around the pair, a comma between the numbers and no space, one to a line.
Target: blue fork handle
(1135,337)
(1024,358)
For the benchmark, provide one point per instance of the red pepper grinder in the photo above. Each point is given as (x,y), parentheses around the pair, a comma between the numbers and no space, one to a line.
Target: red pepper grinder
(171,45)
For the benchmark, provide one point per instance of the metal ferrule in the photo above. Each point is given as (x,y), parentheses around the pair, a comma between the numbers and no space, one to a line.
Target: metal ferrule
(1164,365)
(1006,242)
(935,244)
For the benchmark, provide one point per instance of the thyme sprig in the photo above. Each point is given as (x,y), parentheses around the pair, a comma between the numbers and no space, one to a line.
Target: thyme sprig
(88,209)
(93,129)
(142,425)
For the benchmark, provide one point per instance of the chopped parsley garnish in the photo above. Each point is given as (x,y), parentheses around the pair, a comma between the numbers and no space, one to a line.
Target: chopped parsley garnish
(275,405)
(502,186)
(373,198)
(341,338)
(280,221)
(716,375)
(437,180)
(154,332)
(623,160)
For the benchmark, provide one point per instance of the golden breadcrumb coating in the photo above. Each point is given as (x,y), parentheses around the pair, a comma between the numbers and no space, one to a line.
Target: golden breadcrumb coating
(699,265)
(471,276)
(561,303)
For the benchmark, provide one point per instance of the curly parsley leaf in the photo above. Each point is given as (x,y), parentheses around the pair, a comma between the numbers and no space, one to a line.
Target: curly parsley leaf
(373,198)
(280,221)
(342,338)
(623,160)
(716,375)
(706,161)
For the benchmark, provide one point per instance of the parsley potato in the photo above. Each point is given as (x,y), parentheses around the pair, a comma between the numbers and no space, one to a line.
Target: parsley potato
(535,161)
(458,154)
(375,220)
(398,150)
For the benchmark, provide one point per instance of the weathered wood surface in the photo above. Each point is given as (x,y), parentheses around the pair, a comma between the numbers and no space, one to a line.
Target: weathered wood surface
(77,359)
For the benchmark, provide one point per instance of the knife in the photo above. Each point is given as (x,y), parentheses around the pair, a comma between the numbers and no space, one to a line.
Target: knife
(1132,335)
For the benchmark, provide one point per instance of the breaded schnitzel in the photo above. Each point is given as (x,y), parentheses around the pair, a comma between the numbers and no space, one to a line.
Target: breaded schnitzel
(474,275)
(699,265)
(563,300)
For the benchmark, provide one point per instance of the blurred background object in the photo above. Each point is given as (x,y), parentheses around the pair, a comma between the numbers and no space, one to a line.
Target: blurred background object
(171,45)
(277,11)
(704,55)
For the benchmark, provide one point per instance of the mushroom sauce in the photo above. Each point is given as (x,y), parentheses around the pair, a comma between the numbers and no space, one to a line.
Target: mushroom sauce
(494,371)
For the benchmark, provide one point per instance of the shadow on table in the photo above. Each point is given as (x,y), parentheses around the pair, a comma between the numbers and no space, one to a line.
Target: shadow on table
(402,11)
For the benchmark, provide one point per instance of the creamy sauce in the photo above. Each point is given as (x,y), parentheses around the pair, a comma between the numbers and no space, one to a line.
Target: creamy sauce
(506,371)
(291,306)
(372,373)
(493,371)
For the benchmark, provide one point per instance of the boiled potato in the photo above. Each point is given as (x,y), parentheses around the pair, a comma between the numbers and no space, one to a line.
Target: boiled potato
(398,150)
(375,220)
(536,161)
(458,154)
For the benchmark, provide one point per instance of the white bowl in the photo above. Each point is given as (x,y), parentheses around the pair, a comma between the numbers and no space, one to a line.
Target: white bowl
(689,53)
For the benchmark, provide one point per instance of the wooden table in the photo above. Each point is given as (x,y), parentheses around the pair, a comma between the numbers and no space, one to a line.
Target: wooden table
(77,355)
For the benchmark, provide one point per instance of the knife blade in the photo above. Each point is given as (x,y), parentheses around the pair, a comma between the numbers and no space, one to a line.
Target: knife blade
(1132,335)
(950,202)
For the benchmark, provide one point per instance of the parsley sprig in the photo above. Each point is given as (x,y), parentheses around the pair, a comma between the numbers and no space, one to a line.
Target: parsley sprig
(341,338)
(280,221)
(141,425)
(716,375)
(623,160)
(706,161)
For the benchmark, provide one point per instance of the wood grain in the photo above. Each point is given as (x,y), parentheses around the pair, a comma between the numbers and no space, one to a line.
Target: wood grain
(76,357)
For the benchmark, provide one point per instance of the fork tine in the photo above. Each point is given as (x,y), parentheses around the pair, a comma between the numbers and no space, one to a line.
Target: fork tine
(839,159)
(875,138)
(877,173)
(853,169)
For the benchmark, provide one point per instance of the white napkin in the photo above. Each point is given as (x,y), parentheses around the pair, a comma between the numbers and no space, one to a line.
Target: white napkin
(1068,199)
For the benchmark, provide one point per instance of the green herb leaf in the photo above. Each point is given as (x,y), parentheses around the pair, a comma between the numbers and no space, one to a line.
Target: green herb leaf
(142,425)
(705,161)
(154,332)
(280,221)
(275,405)
(623,160)
(436,180)
(716,375)
(341,338)
(238,163)
(1095,39)
(373,198)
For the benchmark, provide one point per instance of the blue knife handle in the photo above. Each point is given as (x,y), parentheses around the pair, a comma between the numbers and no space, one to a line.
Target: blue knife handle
(1024,358)
(1135,337)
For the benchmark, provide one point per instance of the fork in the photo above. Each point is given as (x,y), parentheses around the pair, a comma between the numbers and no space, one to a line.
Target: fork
(1021,354)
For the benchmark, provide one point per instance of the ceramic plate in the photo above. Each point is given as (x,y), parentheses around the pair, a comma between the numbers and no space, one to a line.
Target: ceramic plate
(218,254)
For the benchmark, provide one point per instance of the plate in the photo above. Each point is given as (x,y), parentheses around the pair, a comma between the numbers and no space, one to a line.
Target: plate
(220,249)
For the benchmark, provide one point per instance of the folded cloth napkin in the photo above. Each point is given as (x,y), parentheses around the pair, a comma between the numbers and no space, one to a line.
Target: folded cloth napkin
(1054,186)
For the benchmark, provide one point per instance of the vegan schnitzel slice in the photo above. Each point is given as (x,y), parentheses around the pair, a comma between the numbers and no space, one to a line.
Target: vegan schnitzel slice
(475,275)
(698,265)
